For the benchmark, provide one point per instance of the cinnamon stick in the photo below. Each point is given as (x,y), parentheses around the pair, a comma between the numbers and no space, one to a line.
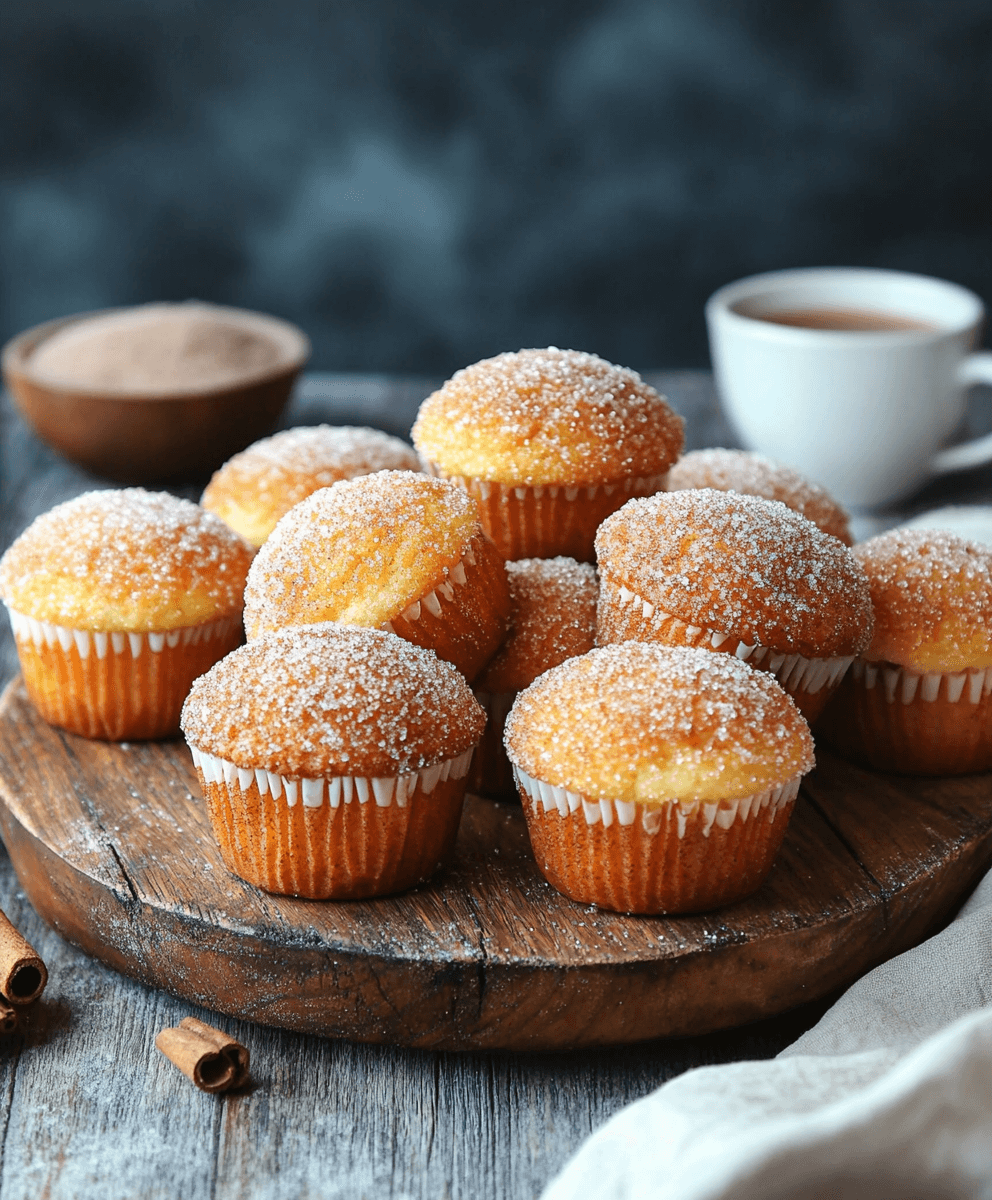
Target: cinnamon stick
(214,1061)
(22,973)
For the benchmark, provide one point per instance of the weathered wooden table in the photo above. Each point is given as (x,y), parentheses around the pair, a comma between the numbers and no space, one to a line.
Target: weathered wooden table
(89,1108)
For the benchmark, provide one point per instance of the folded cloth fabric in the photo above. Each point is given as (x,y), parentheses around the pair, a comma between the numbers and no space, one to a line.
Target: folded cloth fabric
(888,1097)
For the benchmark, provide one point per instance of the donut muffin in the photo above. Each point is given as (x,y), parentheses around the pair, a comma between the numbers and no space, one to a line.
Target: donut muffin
(656,779)
(919,699)
(118,600)
(754,475)
(332,760)
(549,442)
(252,490)
(735,574)
(395,550)
(552,618)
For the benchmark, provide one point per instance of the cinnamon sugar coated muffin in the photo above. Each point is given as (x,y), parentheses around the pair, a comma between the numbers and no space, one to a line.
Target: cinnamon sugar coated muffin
(755,475)
(549,442)
(552,618)
(656,778)
(740,575)
(252,490)
(118,600)
(919,699)
(394,550)
(332,759)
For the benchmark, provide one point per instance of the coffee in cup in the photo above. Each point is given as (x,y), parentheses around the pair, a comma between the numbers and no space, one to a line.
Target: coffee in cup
(855,377)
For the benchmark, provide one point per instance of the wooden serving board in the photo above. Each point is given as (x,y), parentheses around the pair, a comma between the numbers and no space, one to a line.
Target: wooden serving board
(113,847)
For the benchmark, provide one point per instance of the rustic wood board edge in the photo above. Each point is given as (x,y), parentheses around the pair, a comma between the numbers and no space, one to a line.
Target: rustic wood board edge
(451,1006)
(476,1001)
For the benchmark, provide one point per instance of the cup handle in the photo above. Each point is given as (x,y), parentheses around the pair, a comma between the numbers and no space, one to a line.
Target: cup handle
(976,368)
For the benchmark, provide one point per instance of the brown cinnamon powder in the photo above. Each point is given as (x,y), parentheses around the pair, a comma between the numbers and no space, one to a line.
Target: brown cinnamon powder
(157,349)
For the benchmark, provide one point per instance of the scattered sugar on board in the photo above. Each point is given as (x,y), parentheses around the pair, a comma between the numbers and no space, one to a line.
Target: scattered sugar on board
(755,475)
(928,587)
(540,409)
(126,543)
(553,618)
(326,700)
(739,565)
(595,722)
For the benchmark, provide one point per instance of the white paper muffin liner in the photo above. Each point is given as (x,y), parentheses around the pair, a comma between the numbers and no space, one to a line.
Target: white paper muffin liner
(29,629)
(542,520)
(900,683)
(653,816)
(431,601)
(793,671)
(335,790)
(631,485)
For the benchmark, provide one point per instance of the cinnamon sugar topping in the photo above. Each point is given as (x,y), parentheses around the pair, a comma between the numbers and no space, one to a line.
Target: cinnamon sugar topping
(550,416)
(323,700)
(932,593)
(360,551)
(255,488)
(755,475)
(742,565)
(125,559)
(553,618)
(325,453)
(649,723)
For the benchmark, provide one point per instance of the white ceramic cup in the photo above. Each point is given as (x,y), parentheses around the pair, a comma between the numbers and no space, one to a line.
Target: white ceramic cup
(864,413)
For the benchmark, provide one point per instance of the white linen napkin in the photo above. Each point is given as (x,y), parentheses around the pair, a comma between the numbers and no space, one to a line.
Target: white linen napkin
(889,1097)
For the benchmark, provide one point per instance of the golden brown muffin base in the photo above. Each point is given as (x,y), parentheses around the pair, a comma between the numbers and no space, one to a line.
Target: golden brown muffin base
(543,522)
(119,697)
(473,615)
(923,737)
(626,869)
(344,853)
(620,622)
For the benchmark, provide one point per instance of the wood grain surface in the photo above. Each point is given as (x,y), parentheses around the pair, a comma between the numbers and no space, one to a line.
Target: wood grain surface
(89,1110)
(113,847)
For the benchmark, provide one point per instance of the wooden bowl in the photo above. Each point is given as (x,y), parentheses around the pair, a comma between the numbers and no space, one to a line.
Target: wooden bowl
(134,438)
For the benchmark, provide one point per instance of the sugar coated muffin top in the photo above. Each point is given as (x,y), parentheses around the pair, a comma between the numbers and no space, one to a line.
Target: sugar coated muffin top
(126,560)
(323,700)
(553,617)
(252,490)
(755,475)
(359,551)
(932,593)
(550,416)
(740,565)
(649,723)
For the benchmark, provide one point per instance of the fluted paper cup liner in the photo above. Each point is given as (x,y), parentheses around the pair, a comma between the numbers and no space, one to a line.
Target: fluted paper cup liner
(623,616)
(891,719)
(542,522)
(340,838)
(117,686)
(491,773)
(664,858)
(462,619)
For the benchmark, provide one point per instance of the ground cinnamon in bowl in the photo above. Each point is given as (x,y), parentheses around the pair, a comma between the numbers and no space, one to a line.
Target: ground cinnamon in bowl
(158,349)
(156,392)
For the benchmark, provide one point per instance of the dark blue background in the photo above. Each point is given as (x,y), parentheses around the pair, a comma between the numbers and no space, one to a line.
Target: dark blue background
(423,183)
